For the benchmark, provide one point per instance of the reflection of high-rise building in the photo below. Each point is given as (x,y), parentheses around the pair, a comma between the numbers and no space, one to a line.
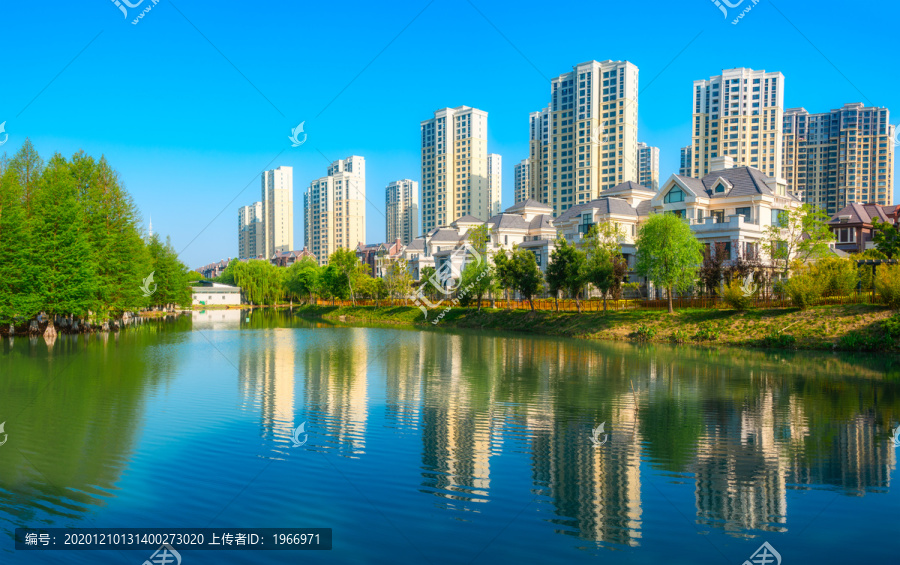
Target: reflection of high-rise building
(337,386)
(267,379)
(740,473)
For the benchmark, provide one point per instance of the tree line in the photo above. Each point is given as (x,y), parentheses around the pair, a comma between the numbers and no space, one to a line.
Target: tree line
(72,244)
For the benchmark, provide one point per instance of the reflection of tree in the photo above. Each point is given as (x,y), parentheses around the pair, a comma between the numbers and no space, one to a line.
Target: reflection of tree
(74,411)
(675,430)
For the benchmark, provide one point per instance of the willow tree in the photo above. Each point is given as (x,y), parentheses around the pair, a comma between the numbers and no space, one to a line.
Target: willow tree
(668,253)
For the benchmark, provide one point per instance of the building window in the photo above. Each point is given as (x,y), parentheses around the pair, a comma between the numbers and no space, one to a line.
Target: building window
(745,212)
(674,195)
(719,216)
(778,218)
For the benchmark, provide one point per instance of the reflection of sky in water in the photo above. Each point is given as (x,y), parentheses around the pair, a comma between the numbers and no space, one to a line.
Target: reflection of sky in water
(446,447)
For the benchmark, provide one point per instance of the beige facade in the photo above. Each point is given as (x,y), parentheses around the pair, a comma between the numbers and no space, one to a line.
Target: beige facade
(278,210)
(251,231)
(495,182)
(522,181)
(738,114)
(592,133)
(402,205)
(454,167)
(840,157)
(335,208)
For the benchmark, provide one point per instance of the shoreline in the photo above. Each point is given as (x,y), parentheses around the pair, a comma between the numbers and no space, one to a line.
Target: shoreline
(853,327)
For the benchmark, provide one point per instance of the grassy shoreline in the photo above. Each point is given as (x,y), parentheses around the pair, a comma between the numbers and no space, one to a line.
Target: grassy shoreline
(855,327)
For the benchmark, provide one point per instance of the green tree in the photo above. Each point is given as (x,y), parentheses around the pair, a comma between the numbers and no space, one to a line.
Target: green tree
(801,234)
(668,253)
(18,296)
(397,278)
(170,275)
(350,269)
(566,271)
(525,275)
(302,278)
(886,237)
(504,273)
(477,279)
(426,275)
(605,267)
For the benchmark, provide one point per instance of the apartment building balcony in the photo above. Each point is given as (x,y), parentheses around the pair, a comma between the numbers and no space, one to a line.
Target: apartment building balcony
(732,222)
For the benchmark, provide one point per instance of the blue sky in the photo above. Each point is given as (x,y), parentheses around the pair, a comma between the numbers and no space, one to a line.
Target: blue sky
(194,101)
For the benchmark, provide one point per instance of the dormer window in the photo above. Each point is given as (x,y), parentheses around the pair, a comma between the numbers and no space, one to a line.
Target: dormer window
(674,195)
(719,188)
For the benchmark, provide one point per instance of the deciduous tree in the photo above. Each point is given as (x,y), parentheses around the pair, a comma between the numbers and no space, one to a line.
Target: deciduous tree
(668,253)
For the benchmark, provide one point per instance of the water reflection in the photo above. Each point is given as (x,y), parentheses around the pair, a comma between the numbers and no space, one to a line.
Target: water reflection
(488,417)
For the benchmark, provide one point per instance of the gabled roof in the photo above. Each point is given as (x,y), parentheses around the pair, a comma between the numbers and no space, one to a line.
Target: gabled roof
(508,221)
(541,221)
(418,244)
(863,213)
(444,234)
(467,219)
(744,181)
(528,203)
(605,205)
(624,187)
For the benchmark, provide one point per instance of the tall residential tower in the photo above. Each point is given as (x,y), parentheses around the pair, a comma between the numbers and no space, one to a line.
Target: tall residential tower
(591,134)
(278,210)
(738,114)
(455,167)
(402,203)
(840,157)
(648,166)
(336,208)
(522,181)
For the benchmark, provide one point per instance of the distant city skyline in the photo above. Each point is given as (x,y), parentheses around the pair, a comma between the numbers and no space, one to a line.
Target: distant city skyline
(191,143)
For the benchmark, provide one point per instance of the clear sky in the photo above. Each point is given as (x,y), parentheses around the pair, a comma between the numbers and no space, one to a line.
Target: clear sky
(196,99)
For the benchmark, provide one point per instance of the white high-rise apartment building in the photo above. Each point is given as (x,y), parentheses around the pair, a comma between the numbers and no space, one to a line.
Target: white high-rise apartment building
(648,166)
(251,231)
(738,114)
(454,167)
(539,155)
(592,137)
(495,182)
(278,210)
(522,181)
(402,203)
(686,161)
(840,157)
(335,208)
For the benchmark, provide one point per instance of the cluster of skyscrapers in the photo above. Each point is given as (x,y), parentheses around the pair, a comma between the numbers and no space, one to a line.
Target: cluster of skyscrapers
(583,142)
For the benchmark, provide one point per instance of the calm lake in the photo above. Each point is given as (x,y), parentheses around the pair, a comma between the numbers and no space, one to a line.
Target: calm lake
(446,446)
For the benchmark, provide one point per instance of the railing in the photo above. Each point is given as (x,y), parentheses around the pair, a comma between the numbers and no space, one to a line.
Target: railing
(596,304)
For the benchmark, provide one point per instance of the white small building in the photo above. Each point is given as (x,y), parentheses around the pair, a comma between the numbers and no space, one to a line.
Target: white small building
(207,293)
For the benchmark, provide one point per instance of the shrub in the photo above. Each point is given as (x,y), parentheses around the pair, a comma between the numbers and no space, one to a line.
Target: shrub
(858,341)
(891,326)
(644,333)
(839,276)
(805,289)
(887,285)
(778,340)
(706,333)
(679,336)
(734,296)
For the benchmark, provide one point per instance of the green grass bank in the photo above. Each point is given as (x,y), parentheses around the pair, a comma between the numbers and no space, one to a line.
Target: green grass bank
(856,327)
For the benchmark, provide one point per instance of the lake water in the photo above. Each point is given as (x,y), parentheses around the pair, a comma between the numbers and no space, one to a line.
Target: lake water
(445,446)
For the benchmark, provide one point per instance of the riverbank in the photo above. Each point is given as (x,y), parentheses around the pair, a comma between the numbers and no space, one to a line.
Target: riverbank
(854,327)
